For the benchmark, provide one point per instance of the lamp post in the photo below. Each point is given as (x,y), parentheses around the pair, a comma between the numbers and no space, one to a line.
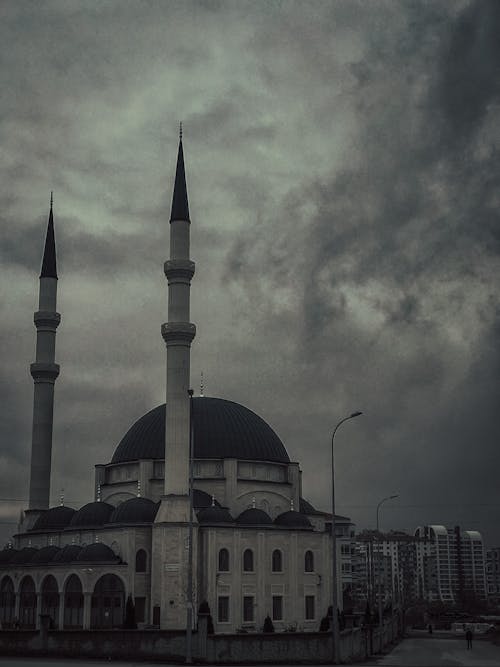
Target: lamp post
(381,559)
(335,620)
(189,610)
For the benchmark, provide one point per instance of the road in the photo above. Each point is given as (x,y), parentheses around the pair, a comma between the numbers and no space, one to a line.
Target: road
(436,652)
(416,652)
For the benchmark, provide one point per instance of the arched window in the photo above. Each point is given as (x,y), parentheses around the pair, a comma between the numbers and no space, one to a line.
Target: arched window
(50,600)
(141,561)
(27,603)
(248,560)
(73,603)
(277,561)
(108,603)
(7,602)
(309,561)
(223,565)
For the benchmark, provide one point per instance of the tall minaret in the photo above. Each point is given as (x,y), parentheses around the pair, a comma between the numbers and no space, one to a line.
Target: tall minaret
(44,372)
(178,333)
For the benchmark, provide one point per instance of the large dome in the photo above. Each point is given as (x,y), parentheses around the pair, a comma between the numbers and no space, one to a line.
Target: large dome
(221,429)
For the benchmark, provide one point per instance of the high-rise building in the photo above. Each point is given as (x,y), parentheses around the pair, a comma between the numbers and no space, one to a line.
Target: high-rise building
(452,564)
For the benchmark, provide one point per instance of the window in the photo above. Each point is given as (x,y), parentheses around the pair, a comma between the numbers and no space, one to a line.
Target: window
(141,561)
(346,567)
(248,609)
(345,549)
(277,561)
(223,560)
(248,560)
(309,561)
(277,607)
(223,609)
(309,603)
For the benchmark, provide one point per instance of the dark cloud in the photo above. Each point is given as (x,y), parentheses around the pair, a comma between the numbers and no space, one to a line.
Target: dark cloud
(341,169)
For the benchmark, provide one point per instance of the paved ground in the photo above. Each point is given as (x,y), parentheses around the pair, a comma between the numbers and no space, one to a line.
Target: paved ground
(440,653)
(421,652)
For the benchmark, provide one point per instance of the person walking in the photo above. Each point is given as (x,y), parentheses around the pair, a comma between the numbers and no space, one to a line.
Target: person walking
(468,637)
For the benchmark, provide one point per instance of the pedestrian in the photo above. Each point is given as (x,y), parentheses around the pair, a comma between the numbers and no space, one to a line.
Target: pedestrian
(468,637)
(429,628)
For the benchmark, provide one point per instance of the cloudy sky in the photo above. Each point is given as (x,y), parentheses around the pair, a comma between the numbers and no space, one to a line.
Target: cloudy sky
(342,163)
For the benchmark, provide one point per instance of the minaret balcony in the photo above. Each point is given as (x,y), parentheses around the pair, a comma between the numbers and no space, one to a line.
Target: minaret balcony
(44,372)
(178,333)
(46,320)
(179,270)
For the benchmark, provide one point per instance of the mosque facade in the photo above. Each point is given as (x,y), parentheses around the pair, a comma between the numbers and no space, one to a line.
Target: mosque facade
(199,503)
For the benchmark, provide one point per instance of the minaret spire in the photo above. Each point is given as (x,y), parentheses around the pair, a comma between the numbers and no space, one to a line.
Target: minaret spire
(44,372)
(49,268)
(180,206)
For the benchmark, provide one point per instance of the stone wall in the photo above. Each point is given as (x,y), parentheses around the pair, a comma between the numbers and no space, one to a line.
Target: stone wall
(313,647)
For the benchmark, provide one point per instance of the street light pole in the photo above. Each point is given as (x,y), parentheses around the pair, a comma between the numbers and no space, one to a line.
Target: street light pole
(189,610)
(335,620)
(381,560)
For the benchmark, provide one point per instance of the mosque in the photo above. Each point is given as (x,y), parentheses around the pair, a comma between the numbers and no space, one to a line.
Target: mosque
(199,503)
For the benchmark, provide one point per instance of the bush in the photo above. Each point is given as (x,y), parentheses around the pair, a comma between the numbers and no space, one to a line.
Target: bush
(268,625)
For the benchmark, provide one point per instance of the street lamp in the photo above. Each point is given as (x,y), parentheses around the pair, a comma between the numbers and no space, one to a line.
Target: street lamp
(189,610)
(381,558)
(335,620)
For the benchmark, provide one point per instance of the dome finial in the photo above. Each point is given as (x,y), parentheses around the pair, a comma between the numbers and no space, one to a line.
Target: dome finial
(138,488)
(253,503)
(213,500)
(291,504)
(99,492)
(201,385)
(180,131)
(51,199)
(61,498)
(73,540)
(97,538)
(29,542)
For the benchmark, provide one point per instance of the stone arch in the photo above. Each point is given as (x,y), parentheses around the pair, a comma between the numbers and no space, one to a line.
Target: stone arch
(108,602)
(73,602)
(27,603)
(50,599)
(7,602)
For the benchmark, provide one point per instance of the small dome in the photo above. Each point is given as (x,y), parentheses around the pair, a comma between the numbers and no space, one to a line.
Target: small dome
(67,554)
(254,517)
(293,519)
(24,556)
(135,510)
(7,554)
(45,555)
(97,553)
(202,499)
(92,514)
(221,430)
(55,517)
(214,515)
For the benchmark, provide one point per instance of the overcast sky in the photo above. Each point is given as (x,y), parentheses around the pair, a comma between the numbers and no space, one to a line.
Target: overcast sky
(342,165)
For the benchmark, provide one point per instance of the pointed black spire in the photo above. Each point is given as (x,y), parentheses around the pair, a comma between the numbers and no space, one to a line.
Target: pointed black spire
(49,269)
(180,206)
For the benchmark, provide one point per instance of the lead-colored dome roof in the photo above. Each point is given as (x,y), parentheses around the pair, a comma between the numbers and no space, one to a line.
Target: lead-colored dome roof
(55,517)
(221,429)
(135,510)
(97,553)
(254,517)
(92,514)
